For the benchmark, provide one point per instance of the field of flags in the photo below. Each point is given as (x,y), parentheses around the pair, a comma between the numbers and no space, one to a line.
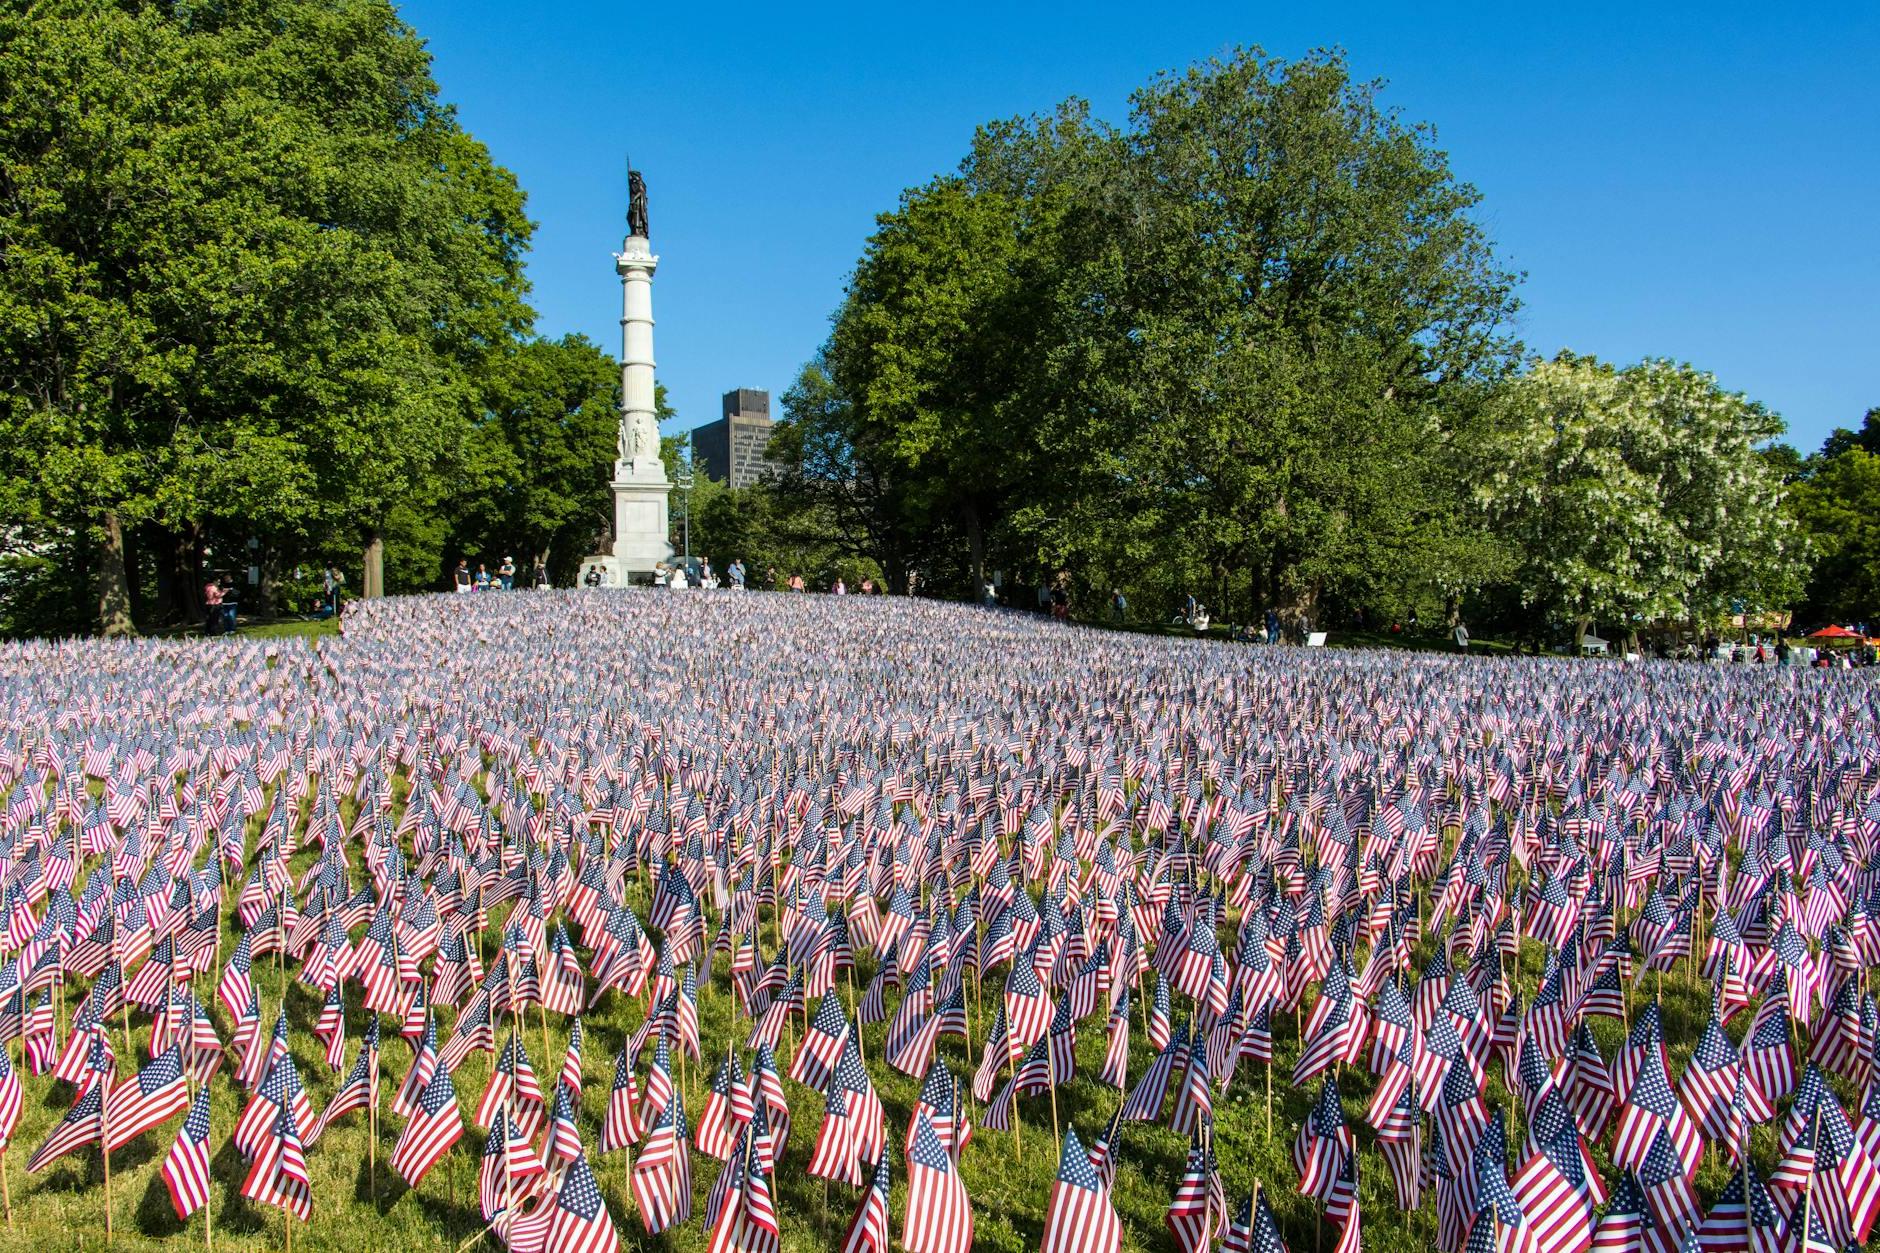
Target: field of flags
(569,922)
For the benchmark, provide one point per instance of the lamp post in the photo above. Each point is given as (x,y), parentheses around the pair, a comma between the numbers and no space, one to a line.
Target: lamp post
(685,518)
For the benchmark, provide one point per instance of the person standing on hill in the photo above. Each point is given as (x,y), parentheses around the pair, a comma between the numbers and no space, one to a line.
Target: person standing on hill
(212,608)
(462,577)
(1462,636)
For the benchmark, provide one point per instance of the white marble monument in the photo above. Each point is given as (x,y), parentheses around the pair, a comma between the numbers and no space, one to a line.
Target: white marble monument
(641,529)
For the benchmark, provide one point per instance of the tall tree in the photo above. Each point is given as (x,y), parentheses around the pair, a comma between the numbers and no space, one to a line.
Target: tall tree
(1228,342)
(538,459)
(1838,507)
(1638,493)
(255,270)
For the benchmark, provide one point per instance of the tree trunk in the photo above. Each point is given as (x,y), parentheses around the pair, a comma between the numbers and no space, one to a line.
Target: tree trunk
(114,588)
(1581,625)
(268,587)
(372,581)
(179,574)
(155,541)
(1452,609)
(976,542)
(187,554)
(133,575)
(1301,609)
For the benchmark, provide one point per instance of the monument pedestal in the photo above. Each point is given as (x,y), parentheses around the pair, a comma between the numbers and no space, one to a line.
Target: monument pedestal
(641,527)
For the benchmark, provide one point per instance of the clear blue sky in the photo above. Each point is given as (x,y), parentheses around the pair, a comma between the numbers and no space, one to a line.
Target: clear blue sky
(1703,184)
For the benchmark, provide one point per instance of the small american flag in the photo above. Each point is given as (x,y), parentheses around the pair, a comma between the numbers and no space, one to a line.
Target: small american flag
(939,1214)
(868,1230)
(1080,1217)
(81,1125)
(278,1176)
(185,1169)
(431,1131)
(580,1221)
(148,1098)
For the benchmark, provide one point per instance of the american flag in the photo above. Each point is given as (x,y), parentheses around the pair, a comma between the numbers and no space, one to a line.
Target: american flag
(1710,1081)
(1648,1110)
(715,1136)
(1555,1187)
(1027,1007)
(278,1176)
(1115,1071)
(148,1098)
(865,1114)
(619,1128)
(81,1125)
(360,1088)
(833,1156)
(571,1061)
(580,1222)
(432,1129)
(749,1222)
(185,1168)
(821,1044)
(868,1229)
(1323,1144)
(1080,1217)
(1190,1217)
(1491,1174)
(661,1178)
(939,1213)
(1736,1225)
(563,1143)
(510,1171)
(1627,1226)
(1264,1236)
(1151,1091)
(11,1099)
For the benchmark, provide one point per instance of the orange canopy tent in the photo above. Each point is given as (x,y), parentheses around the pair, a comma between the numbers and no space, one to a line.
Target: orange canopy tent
(1832,632)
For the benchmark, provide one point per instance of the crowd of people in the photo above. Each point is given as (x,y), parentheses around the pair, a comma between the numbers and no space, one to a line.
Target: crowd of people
(467,581)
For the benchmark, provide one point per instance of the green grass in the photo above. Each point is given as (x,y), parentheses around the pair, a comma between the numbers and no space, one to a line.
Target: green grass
(1008,1177)
(288,627)
(279,628)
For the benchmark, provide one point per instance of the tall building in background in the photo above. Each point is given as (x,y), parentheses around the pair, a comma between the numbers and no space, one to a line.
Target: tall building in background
(732,449)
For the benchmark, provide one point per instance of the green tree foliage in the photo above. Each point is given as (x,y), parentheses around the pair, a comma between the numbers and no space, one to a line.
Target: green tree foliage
(1225,346)
(1637,494)
(534,480)
(1835,497)
(1839,506)
(1841,439)
(255,273)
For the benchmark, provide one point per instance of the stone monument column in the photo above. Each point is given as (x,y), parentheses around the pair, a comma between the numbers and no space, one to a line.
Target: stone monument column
(641,525)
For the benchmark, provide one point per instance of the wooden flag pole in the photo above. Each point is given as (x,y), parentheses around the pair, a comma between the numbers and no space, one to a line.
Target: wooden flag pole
(104,1142)
(1808,1191)
(1011,1065)
(1749,1233)
(1050,1061)
(6,1187)
(372,1126)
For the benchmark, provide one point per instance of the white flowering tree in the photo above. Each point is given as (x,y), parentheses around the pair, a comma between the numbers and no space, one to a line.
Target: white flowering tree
(1637,493)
